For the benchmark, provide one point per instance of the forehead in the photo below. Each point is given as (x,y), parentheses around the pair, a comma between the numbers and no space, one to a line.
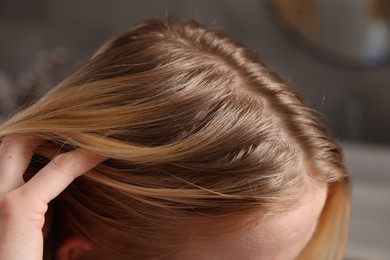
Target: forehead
(279,236)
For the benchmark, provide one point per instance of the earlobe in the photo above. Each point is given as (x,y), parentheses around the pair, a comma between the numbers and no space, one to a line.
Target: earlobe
(73,248)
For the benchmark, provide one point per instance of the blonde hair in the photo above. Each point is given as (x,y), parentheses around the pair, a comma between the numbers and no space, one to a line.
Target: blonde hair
(197,130)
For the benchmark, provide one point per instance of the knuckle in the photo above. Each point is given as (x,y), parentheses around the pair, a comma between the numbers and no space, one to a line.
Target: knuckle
(15,205)
(64,163)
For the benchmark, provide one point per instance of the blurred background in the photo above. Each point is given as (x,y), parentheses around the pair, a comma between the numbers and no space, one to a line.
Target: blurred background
(336,53)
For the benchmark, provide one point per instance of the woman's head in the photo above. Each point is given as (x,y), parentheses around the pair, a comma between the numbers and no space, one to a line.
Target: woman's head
(202,139)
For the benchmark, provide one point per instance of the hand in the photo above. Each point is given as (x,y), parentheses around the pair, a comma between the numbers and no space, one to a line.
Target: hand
(23,205)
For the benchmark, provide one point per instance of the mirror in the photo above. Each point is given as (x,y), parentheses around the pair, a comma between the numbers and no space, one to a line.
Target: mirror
(356,32)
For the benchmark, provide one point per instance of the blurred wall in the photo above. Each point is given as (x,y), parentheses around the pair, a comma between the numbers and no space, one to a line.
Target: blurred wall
(353,102)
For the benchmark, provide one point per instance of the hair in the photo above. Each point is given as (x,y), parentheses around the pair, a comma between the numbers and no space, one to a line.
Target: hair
(197,130)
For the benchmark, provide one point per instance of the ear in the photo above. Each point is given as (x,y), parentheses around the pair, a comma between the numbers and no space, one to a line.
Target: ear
(73,248)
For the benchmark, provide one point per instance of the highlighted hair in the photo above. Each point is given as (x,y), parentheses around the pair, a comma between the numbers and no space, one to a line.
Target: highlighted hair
(197,130)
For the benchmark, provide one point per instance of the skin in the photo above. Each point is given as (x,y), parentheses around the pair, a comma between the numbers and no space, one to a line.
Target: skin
(23,206)
(278,237)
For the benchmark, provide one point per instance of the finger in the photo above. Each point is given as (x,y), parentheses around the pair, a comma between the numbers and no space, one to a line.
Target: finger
(15,156)
(51,180)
